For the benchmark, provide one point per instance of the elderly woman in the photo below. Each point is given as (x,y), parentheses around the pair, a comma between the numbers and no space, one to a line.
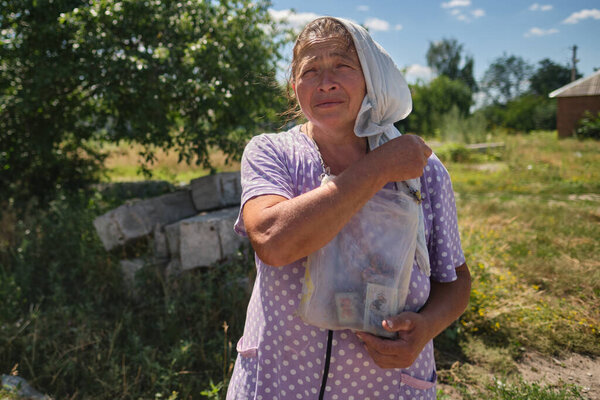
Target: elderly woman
(300,188)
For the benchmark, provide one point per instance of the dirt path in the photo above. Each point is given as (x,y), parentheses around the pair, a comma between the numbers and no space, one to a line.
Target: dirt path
(575,368)
(582,371)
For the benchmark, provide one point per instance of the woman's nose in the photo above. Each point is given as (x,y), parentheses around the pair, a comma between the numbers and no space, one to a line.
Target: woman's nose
(328,81)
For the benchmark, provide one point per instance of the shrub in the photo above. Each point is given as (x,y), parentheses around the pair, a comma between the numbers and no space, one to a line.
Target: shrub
(588,126)
(76,330)
(523,114)
(433,100)
(454,126)
(455,152)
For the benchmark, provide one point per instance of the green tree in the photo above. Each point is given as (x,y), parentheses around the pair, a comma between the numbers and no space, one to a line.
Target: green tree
(188,76)
(549,76)
(506,78)
(522,114)
(432,101)
(445,57)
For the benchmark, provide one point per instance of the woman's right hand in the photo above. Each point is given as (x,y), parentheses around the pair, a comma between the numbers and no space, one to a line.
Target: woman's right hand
(401,158)
(284,230)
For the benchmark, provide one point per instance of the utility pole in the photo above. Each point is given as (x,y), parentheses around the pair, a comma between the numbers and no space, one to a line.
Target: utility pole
(574,61)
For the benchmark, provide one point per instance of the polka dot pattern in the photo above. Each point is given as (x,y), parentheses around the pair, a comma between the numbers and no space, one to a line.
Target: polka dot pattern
(281,357)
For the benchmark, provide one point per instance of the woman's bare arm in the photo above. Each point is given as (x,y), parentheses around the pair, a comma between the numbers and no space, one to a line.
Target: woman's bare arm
(282,231)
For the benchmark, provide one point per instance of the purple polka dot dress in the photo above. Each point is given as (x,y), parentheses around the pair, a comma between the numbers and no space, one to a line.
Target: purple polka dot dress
(281,357)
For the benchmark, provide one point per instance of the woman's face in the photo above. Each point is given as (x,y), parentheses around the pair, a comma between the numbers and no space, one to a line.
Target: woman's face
(329,85)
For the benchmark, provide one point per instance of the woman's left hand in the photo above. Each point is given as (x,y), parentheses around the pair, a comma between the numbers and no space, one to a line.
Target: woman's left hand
(446,303)
(401,352)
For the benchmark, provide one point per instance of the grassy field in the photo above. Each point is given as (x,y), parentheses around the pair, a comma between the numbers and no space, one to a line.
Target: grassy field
(123,165)
(529,218)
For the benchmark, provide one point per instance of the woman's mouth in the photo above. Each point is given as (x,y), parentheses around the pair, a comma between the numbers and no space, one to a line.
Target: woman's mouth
(328,103)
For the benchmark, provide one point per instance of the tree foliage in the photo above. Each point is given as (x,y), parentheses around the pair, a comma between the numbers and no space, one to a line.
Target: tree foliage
(549,76)
(506,78)
(432,101)
(445,57)
(522,114)
(188,76)
(520,93)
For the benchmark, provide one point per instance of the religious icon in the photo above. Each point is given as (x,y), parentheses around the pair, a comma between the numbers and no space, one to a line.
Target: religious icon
(380,303)
(348,309)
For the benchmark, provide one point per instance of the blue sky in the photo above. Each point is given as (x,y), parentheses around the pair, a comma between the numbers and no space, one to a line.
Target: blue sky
(486,28)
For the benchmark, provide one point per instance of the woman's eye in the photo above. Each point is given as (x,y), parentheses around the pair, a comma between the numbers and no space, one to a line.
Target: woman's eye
(308,71)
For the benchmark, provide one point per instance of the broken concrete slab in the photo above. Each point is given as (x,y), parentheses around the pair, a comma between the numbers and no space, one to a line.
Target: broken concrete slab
(204,239)
(17,386)
(130,268)
(172,234)
(135,189)
(173,268)
(159,243)
(139,218)
(216,191)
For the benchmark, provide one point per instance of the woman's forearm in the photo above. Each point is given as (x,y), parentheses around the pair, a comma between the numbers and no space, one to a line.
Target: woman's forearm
(282,231)
(447,301)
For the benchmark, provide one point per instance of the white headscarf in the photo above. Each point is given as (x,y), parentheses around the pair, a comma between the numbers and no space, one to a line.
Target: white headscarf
(387,101)
(388,97)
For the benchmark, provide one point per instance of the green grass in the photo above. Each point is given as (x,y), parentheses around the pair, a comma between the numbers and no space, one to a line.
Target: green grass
(124,164)
(529,220)
(530,231)
(74,329)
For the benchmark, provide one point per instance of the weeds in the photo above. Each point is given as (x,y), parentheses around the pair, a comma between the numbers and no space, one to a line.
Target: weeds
(531,391)
(529,230)
(77,331)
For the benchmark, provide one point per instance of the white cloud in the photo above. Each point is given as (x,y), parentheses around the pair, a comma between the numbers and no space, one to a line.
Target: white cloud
(415,72)
(537,32)
(456,3)
(293,19)
(363,8)
(376,24)
(541,7)
(460,13)
(466,17)
(478,13)
(583,14)
(398,27)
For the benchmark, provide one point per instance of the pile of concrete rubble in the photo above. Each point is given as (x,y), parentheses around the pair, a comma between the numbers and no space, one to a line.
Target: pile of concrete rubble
(188,228)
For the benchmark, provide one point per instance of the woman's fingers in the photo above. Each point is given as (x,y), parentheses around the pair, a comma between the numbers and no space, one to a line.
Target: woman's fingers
(388,353)
(404,157)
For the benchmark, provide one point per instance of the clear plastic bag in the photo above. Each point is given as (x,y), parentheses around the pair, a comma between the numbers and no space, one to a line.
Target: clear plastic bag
(361,277)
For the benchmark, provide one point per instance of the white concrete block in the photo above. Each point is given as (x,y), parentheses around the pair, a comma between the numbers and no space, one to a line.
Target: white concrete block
(204,239)
(130,268)
(159,243)
(139,218)
(216,191)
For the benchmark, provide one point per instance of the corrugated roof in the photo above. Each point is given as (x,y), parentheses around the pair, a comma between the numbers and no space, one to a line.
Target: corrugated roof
(589,86)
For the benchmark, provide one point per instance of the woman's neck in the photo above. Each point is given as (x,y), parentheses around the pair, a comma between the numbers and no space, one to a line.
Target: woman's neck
(338,149)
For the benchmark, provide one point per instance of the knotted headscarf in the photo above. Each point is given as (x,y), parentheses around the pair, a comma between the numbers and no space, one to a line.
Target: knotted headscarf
(388,100)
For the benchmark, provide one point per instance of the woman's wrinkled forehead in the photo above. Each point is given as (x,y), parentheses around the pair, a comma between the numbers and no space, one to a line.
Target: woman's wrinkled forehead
(334,45)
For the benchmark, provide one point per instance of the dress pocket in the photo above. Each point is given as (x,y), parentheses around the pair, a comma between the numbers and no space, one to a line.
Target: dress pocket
(244,350)
(417,383)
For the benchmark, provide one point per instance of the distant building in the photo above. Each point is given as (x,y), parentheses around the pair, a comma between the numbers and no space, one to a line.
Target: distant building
(574,100)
